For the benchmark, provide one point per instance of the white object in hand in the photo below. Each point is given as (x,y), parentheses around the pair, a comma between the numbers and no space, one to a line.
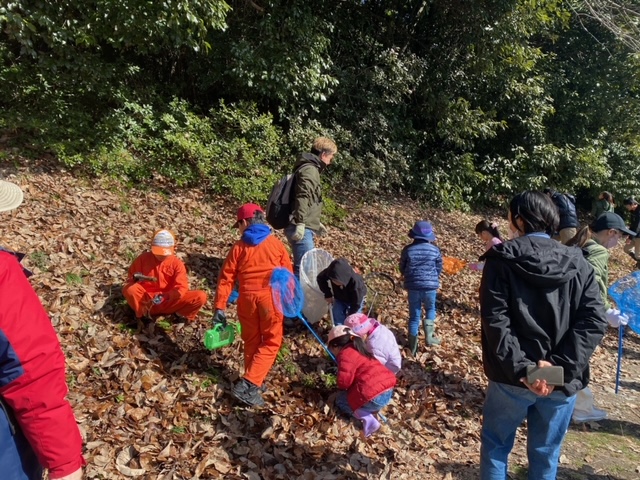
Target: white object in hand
(615,318)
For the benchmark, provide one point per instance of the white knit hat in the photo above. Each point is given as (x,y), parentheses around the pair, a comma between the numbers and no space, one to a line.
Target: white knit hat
(10,196)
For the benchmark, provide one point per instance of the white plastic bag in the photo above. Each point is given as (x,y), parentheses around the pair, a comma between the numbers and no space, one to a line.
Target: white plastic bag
(312,263)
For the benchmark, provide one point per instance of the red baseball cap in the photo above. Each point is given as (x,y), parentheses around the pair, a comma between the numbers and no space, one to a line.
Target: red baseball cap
(247,211)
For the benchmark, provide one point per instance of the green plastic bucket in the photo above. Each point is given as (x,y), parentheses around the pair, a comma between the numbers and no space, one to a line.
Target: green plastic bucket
(220,336)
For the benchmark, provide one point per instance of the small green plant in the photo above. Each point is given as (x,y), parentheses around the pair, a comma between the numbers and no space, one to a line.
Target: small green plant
(72,380)
(39,259)
(291,368)
(206,384)
(213,374)
(130,255)
(119,398)
(73,279)
(329,380)
(126,207)
(309,381)
(97,371)
(178,429)
(200,240)
(123,327)
(283,353)
(164,324)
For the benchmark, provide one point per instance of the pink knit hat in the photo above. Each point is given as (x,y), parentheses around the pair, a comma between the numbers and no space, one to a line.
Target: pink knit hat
(359,323)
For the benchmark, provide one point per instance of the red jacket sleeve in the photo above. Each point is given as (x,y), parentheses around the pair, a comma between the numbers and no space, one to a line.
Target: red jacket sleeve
(32,374)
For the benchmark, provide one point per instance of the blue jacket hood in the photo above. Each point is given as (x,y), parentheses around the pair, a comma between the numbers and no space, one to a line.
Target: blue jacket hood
(255,234)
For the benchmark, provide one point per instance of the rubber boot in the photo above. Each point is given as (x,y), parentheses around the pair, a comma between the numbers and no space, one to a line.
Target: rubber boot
(429,331)
(370,423)
(413,344)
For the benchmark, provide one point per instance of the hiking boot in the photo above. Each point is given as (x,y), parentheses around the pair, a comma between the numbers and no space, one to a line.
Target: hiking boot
(248,393)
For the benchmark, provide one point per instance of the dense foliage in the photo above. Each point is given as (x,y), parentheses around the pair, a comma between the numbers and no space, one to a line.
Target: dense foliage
(453,101)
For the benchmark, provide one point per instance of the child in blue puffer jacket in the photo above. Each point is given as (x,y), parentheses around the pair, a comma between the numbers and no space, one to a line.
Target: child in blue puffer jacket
(421,266)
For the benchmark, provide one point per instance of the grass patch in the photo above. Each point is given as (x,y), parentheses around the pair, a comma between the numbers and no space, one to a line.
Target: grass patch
(73,279)
(164,324)
(283,353)
(329,380)
(39,259)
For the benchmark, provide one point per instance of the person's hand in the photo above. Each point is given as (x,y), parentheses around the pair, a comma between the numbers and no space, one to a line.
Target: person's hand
(219,317)
(77,475)
(329,300)
(615,318)
(539,387)
(158,299)
(476,266)
(299,233)
(322,231)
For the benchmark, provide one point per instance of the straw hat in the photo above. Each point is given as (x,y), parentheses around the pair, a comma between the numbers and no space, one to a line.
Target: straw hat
(10,196)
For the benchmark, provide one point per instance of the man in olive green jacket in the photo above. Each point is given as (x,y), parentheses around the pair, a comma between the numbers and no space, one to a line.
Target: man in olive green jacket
(307,206)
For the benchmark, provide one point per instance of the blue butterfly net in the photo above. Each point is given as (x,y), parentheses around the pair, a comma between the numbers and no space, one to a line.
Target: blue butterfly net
(286,292)
(626,293)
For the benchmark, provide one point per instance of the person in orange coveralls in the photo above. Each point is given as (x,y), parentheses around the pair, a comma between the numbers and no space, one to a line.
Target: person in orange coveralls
(158,283)
(251,261)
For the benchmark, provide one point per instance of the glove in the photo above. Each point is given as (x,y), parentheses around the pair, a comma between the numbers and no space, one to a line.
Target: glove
(219,317)
(615,318)
(322,231)
(299,233)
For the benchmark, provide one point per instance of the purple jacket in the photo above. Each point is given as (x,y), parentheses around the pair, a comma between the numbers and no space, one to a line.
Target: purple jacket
(382,344)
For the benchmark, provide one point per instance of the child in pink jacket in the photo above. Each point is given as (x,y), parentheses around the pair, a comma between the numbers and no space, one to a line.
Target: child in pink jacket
(378,339)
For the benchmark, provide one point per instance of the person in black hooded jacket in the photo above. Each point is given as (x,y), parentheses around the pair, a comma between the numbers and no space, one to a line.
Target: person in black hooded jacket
(343,288)
(540,305)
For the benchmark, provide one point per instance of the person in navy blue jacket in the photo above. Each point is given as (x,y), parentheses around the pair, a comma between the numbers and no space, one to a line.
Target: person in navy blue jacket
(421,266)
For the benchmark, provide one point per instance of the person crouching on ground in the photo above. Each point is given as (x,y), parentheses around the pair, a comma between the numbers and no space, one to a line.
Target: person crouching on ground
(378,339)
(366,386)
(251,261)
(343,288)
(421,266)
(157,283)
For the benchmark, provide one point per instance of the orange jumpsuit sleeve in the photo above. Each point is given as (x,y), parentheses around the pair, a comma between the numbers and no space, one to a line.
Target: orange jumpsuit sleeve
(285,260)
(177,272)
(135,267)
(227,277)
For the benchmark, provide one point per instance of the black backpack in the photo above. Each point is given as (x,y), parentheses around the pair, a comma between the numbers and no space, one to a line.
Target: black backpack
(280,203)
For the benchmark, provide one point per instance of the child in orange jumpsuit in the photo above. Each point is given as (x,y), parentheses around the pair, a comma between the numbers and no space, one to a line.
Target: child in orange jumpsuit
(165,290)
(251,261)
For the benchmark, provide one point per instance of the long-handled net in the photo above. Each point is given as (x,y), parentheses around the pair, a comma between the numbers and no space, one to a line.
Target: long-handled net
(288,298)
(626,293)
(378,285)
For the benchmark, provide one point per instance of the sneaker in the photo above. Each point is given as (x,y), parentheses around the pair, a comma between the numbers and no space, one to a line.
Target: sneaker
(594,415)
(248,393)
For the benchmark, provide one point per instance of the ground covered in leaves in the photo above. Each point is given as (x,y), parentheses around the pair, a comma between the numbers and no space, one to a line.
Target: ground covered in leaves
(153,403)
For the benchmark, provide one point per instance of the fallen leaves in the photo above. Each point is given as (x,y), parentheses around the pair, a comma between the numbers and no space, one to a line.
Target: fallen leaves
(155,404)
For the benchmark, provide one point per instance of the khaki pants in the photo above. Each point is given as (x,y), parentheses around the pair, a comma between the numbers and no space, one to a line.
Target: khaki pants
(632,247)
(567,234)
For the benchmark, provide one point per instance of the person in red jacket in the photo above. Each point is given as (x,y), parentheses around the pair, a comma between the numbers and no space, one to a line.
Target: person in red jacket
(366,386)
(158,284)
(251,262)
(37,427)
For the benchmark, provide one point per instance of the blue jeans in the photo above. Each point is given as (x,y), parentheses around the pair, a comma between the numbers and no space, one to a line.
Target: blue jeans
(505,407)
(375,405)
(299,247)
(17,458)
(418,299)
(340,309)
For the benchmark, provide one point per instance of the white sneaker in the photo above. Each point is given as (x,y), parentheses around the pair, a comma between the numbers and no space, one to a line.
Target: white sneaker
(593,416)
